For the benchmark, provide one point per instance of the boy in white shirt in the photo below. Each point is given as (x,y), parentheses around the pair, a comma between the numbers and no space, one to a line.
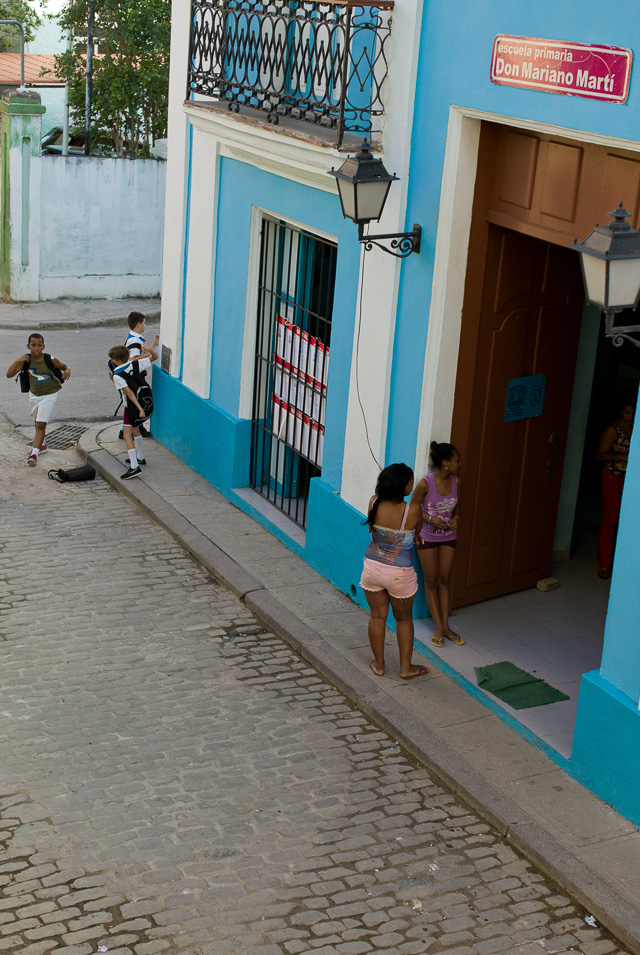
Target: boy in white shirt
(136,342)
(123,373)
(137,345)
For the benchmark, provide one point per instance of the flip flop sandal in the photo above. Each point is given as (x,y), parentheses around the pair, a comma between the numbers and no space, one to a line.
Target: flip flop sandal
(421,671)
(372,664)
(455,638)
(437,641)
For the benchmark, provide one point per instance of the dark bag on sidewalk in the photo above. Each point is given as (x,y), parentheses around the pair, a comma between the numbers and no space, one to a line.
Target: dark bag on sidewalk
(84,473)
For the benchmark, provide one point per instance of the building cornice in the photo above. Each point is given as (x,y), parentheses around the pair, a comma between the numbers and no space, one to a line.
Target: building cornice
(270,148)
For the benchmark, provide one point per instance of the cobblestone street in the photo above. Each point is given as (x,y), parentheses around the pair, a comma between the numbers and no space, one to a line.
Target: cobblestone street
(176,780)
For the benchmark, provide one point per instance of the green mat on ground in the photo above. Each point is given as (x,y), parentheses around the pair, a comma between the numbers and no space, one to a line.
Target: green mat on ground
(515,687)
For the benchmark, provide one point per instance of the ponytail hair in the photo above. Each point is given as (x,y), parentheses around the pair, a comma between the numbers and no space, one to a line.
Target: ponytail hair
(441,453)
(391,485)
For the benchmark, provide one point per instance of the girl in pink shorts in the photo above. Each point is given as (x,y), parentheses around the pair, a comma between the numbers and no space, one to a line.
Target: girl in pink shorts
(388,577)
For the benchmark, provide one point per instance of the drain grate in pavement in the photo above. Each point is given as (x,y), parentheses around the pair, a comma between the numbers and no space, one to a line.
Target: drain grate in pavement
(64,437)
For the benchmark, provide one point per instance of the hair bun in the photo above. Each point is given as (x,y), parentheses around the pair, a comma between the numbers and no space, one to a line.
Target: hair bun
(433,445)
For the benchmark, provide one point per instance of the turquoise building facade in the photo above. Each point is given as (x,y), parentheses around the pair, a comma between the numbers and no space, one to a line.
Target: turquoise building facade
(244,191)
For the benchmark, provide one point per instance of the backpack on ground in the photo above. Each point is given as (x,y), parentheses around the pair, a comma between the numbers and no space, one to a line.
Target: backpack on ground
(23,375)
(83,473)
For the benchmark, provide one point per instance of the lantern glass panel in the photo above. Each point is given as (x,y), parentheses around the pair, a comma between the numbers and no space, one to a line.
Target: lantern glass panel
(371,199)
(595,271)
(624,283)
(347,192)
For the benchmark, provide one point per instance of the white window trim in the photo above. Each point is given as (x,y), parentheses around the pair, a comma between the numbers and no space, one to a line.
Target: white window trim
(258,214)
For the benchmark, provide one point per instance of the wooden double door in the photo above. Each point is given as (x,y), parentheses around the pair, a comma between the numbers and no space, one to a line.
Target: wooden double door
(525,354)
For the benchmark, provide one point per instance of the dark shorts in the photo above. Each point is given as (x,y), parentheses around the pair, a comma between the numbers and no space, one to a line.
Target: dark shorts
(427,545)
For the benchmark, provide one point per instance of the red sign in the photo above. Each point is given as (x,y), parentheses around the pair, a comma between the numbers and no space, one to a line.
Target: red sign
(554,66)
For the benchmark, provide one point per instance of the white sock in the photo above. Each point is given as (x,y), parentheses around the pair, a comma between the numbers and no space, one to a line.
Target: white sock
(35,451)
(138,443)
(133,458)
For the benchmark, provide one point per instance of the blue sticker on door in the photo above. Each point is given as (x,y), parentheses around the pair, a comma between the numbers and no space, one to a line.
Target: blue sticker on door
(525,398)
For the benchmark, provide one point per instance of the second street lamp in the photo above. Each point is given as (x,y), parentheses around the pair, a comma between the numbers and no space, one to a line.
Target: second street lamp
(610,260)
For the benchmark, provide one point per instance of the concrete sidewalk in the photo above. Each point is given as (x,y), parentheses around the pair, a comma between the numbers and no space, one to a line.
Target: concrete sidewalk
(580,842)
(75,312)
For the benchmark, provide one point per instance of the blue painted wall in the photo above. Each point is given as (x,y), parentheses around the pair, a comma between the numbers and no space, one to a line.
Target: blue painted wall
(335,537)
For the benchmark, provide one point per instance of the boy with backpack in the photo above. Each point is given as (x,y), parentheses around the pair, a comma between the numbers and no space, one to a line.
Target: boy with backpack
(129,377)
(41,375)
(137,345)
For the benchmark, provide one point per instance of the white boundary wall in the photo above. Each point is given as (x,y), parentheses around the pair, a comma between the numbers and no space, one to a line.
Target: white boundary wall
(101,227)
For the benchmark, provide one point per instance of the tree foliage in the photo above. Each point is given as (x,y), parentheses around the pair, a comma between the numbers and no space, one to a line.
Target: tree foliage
(130,71)
(22,11)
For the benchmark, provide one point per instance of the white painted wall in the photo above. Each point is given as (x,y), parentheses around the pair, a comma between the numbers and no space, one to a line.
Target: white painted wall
(381,273)
(178,136)
(101,227)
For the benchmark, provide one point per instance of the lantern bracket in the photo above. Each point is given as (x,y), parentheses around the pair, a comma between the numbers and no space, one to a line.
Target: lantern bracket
(619,334)
(402,244)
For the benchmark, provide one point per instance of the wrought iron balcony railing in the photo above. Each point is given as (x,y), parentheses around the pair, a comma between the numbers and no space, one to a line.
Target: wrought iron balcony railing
(322,63)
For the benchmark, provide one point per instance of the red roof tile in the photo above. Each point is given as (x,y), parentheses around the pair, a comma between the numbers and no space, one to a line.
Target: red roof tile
(34,64)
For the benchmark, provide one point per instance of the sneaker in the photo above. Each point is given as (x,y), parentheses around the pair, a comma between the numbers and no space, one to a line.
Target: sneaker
(32,460)
(142,462)
(131,473)
(44,449)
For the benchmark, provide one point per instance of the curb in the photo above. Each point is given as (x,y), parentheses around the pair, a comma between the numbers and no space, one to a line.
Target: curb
(62,326)
(582,883)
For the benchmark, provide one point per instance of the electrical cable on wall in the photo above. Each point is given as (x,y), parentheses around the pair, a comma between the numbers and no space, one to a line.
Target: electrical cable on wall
(364,417)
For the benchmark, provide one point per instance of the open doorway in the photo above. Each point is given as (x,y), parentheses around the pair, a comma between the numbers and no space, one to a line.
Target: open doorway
(615,382)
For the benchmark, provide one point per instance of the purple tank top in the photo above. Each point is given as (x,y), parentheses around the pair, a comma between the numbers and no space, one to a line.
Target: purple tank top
(437,505)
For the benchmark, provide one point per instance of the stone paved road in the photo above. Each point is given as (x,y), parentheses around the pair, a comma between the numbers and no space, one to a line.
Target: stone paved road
(175,780)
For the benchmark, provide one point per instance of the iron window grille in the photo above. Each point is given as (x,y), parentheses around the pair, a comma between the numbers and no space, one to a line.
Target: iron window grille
(323,63)
(295,302)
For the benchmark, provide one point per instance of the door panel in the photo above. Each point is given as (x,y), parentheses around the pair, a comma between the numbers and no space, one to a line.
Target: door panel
(529,324)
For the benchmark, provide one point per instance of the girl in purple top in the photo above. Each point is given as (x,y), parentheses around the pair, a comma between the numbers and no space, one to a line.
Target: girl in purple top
(438,494)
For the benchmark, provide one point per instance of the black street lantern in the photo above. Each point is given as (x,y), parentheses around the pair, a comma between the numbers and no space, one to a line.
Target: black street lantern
(363,186)
(610,260)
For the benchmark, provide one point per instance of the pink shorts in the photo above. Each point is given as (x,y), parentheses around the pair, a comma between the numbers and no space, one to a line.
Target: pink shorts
(399,582)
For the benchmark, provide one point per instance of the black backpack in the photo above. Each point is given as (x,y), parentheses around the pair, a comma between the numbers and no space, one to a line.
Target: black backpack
(138,384)
(23,375)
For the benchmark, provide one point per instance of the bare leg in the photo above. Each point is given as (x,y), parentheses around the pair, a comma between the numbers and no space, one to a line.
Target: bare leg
(41,427)
(128,437)
(378,601)
(429,561)
(403,613)
(446,559)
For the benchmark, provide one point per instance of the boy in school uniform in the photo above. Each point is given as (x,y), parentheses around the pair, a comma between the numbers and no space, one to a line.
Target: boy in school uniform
(123,363)
(46,374)
(137,345)
(136,342)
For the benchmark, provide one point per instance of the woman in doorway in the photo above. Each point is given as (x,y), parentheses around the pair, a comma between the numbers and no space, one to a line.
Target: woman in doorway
(613,450)
(388,576)
(438,494)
